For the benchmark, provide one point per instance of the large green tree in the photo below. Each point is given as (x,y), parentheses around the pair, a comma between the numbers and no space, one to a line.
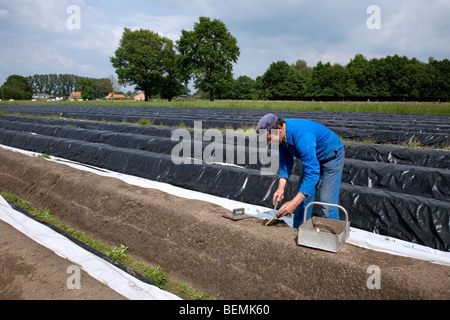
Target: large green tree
(171,85)
(206,54)
(86,86)
(103,87)
(441,78)
(282,81)
(327,81)
(243,88)
(145,59)
(16,87)
(357,85)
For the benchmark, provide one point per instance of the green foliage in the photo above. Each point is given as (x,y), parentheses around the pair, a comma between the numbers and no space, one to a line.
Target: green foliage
(440,77)
(155,274)
(281,81)
(357,82)
(86,86)
(327,81)
(206,54)
(16,87)
(118,254)
(171,86)
(62,85)
(392,78)
(144,122)
(244,88)
(54,84)
(147,60)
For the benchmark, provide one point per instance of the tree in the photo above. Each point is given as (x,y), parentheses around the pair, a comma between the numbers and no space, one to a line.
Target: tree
(259,93)
(397,76)
(17,87)
(327,81)
(103,87)
(377,84)
(143,59)
(171,85)
(357,77)
(243,88)
(420,80)
(304,74)
(114,84)
(282,81)
(441,78)
(86,86)
(52,84)
(206,54)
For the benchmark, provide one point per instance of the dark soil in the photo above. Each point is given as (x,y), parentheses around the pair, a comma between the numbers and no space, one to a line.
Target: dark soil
(194,244)
(29,271)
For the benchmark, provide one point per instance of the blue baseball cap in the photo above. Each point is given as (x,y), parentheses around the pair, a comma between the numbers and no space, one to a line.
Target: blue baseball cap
(267,122)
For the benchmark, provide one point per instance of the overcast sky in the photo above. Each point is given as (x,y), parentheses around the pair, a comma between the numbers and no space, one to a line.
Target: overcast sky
(79,36)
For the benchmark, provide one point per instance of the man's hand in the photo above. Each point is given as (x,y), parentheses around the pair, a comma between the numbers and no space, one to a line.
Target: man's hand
(289,207)
(278,196)
(279,193)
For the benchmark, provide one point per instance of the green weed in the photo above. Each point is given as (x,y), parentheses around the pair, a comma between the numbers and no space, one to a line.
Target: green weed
(119,254)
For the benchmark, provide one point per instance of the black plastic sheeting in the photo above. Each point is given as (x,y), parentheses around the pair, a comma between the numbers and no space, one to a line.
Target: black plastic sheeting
(408,201)
(213,179)
(420,181)
(416,219)
(431,130)
(397,155)
(360,151)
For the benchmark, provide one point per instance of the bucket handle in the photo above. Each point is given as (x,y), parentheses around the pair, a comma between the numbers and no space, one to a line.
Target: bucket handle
(347,229)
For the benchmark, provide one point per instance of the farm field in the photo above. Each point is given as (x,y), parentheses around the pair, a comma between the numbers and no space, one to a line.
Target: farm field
(393,191)
(399,185)
(192,243)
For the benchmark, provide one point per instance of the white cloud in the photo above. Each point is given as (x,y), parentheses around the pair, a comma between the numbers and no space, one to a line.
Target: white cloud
(168,25)
(35,37)
(40,15)
(68,63)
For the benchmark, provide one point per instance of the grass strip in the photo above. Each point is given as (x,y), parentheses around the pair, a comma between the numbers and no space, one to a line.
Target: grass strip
(119,254)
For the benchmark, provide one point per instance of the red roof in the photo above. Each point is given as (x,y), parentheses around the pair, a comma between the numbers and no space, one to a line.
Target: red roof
(75,95)
(115,96)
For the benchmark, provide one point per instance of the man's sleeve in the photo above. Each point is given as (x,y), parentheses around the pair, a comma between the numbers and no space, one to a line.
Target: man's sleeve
(311,166)
(286,163)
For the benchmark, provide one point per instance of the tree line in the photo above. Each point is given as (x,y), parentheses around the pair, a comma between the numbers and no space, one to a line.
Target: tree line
(63,85)
(392,78)
(59,85)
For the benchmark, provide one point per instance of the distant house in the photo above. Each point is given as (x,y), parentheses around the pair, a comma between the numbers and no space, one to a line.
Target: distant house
(40,96)
(113,95)
(140,96)
(75,95)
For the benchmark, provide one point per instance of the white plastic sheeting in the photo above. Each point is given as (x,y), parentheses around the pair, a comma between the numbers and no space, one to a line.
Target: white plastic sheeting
(357,237)
(117,279)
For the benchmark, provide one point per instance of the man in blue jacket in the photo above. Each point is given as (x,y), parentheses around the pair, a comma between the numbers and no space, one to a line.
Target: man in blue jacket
(321,153)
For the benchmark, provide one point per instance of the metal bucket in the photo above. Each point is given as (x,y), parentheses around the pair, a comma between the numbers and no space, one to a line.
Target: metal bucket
(322,233)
